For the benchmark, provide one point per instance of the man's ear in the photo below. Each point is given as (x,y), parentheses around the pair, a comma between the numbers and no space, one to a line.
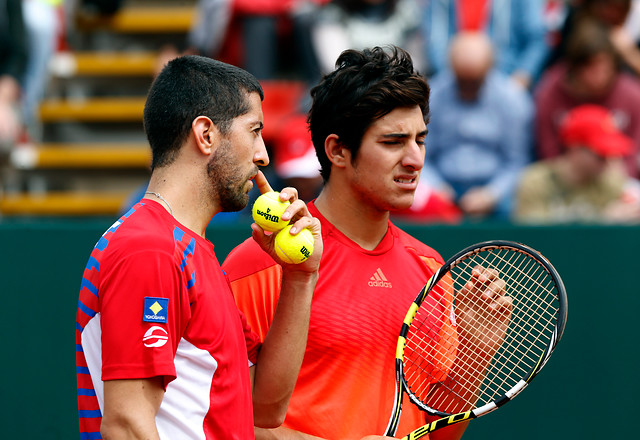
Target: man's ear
(336,152)
(206,134)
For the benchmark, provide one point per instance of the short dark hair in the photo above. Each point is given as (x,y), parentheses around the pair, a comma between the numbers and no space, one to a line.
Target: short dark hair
(188,87)
(365,86)
(587,39)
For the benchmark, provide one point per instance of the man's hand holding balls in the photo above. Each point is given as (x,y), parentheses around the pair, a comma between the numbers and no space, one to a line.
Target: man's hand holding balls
(294,249)
(293,235)
(268,209)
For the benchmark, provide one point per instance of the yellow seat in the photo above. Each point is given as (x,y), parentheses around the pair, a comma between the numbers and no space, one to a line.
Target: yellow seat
(60,203)
(110,109)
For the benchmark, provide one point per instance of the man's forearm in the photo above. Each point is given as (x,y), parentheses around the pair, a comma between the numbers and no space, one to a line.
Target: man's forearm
(281,354)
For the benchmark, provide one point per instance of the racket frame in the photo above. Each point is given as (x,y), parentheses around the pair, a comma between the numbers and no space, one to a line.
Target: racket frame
(447,419)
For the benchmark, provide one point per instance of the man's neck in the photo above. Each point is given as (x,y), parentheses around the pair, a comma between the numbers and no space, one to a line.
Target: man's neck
(356,219)
(187,206)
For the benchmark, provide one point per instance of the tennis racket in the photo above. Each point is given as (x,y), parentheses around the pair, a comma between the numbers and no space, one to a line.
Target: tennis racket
(479,331)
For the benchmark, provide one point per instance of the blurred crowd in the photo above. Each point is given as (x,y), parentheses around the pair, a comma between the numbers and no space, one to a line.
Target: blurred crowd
(534,108)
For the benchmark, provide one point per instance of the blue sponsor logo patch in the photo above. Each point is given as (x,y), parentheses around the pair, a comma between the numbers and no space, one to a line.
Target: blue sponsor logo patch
(155,309)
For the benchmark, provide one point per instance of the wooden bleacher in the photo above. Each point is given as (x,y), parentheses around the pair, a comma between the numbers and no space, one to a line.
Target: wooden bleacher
(115,64)
(144,18)
(66,156)
(68,163)
(65,203)
(65,159)
(109,109)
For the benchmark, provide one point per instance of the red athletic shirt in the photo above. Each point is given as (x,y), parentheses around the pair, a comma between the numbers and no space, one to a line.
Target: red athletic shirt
(155,302)
(346,386)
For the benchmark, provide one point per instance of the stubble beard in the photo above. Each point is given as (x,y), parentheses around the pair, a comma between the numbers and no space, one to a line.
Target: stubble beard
(227,182)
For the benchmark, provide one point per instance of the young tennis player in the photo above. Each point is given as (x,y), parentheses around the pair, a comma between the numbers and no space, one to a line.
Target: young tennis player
(368,123)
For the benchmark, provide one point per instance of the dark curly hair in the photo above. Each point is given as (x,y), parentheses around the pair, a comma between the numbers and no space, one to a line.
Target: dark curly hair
(365,86)
(588,39)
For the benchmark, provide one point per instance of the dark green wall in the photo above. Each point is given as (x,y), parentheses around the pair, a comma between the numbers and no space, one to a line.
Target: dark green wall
(585,392)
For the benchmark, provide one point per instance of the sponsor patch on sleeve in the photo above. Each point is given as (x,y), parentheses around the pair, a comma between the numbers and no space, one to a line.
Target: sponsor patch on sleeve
(155,309)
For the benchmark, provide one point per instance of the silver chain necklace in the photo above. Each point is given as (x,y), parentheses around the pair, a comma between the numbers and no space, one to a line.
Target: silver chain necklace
(161,198)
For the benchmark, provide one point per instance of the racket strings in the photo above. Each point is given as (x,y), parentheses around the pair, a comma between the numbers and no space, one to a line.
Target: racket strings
(434,353)
(476,371)
(508,346)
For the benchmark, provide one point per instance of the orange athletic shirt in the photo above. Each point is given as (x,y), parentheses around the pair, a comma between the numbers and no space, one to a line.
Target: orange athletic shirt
(346,385)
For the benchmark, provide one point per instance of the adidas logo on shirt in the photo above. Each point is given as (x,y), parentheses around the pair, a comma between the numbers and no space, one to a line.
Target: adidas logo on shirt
(379,280)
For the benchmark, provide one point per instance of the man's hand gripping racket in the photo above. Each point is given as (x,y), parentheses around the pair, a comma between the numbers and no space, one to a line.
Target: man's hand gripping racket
(479,331)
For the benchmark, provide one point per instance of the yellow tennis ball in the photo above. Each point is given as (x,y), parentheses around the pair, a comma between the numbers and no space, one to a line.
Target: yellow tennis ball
(294,249)
(267,211)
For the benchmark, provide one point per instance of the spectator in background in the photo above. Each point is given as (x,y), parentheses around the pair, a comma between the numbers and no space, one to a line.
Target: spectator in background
(621,17)
(259,22)
(479,132)
(206,35)
(13,59)
(209,29)
(254,34)
(515,27)
(43,23)
(587,182)
(358,24)
(589,73)
(272,33)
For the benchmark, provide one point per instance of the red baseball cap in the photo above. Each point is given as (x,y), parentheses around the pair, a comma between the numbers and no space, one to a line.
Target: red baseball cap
(593,126)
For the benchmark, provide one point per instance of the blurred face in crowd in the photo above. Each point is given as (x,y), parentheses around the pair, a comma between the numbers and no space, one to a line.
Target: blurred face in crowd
(597,75)
(587,165)
(471,59)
